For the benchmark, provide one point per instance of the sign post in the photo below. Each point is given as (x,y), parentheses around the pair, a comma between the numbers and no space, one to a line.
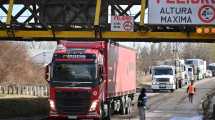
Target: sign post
(181,12)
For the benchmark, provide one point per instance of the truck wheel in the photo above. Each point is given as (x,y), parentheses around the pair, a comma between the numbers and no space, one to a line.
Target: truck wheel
(107,115)
(122,107)
(105,111)
(172,90)
(154,91)
(180,83)
(129,106)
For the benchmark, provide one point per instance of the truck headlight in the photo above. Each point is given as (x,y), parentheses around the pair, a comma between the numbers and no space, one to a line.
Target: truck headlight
(94,105)
(52,105)
(153,82)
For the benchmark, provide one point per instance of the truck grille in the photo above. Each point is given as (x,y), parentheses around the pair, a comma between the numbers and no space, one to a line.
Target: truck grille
(162,79)
(72,103)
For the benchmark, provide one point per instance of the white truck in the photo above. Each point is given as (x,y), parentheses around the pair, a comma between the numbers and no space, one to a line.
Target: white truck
(199,67)
(163,78)
(189,76)
(180,70)
(211,67)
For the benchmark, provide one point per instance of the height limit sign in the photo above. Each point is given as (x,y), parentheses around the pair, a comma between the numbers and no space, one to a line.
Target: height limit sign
(207,13)
(179,12)
(122,23)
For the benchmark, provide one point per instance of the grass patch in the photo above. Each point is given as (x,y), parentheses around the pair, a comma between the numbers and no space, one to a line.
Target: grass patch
(23,107)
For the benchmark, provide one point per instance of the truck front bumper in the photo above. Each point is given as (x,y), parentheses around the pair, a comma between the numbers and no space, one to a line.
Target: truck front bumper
(163,87)
(56,116)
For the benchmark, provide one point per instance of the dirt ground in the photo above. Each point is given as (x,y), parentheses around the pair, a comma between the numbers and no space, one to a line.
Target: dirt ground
(23,106)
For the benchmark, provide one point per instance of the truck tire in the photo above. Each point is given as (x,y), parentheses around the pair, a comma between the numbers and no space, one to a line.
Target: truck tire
(154,91)
(129,106)
(180,83)
(172,90)
(122,107)
(106,114)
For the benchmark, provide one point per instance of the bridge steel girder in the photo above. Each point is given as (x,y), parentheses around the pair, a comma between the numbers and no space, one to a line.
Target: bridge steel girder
(67,14)
(117,36)
(59,14)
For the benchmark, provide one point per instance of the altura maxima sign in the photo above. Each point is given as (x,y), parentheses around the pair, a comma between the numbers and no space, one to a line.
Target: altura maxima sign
(189,12)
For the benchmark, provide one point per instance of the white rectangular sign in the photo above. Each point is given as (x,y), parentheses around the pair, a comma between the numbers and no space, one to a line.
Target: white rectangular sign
(122,23)
(179,12)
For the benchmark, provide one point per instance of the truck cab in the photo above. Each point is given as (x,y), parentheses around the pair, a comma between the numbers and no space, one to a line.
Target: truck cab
(76,81)
(189,74)
(199,68)
(163,78)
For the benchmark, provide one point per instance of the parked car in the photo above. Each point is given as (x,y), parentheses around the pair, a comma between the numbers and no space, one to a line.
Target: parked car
(209,74)
(212,68)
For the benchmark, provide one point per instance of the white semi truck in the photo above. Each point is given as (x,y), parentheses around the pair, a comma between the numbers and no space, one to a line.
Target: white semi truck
(180,70)
(189,76)
(199,67)
(163,78)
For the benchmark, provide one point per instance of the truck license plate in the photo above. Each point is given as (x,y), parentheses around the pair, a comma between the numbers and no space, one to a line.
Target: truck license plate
(162,86)
(72,117)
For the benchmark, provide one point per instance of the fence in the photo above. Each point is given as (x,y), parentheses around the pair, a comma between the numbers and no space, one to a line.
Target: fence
(40,91)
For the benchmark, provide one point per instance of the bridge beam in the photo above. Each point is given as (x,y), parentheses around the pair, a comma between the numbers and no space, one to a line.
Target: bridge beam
(117,36)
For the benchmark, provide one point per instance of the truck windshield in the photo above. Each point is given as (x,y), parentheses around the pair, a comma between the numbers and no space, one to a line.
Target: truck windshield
(163,71)
(189,62)
(74,72)
(190,69)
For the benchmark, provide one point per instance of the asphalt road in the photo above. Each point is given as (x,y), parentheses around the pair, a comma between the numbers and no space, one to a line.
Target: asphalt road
(167,106)
(174,106)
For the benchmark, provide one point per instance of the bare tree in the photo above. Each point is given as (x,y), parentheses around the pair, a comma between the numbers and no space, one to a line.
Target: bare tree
(16,67)
(151,54)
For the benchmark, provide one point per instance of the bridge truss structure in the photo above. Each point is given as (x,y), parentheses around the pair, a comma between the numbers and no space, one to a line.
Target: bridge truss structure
(53,20)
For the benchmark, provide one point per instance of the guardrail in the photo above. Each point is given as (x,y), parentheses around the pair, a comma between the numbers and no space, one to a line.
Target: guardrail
(40,90)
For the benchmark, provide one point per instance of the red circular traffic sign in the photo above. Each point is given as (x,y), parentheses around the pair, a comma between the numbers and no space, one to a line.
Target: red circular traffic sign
(128,25)
(207,13)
